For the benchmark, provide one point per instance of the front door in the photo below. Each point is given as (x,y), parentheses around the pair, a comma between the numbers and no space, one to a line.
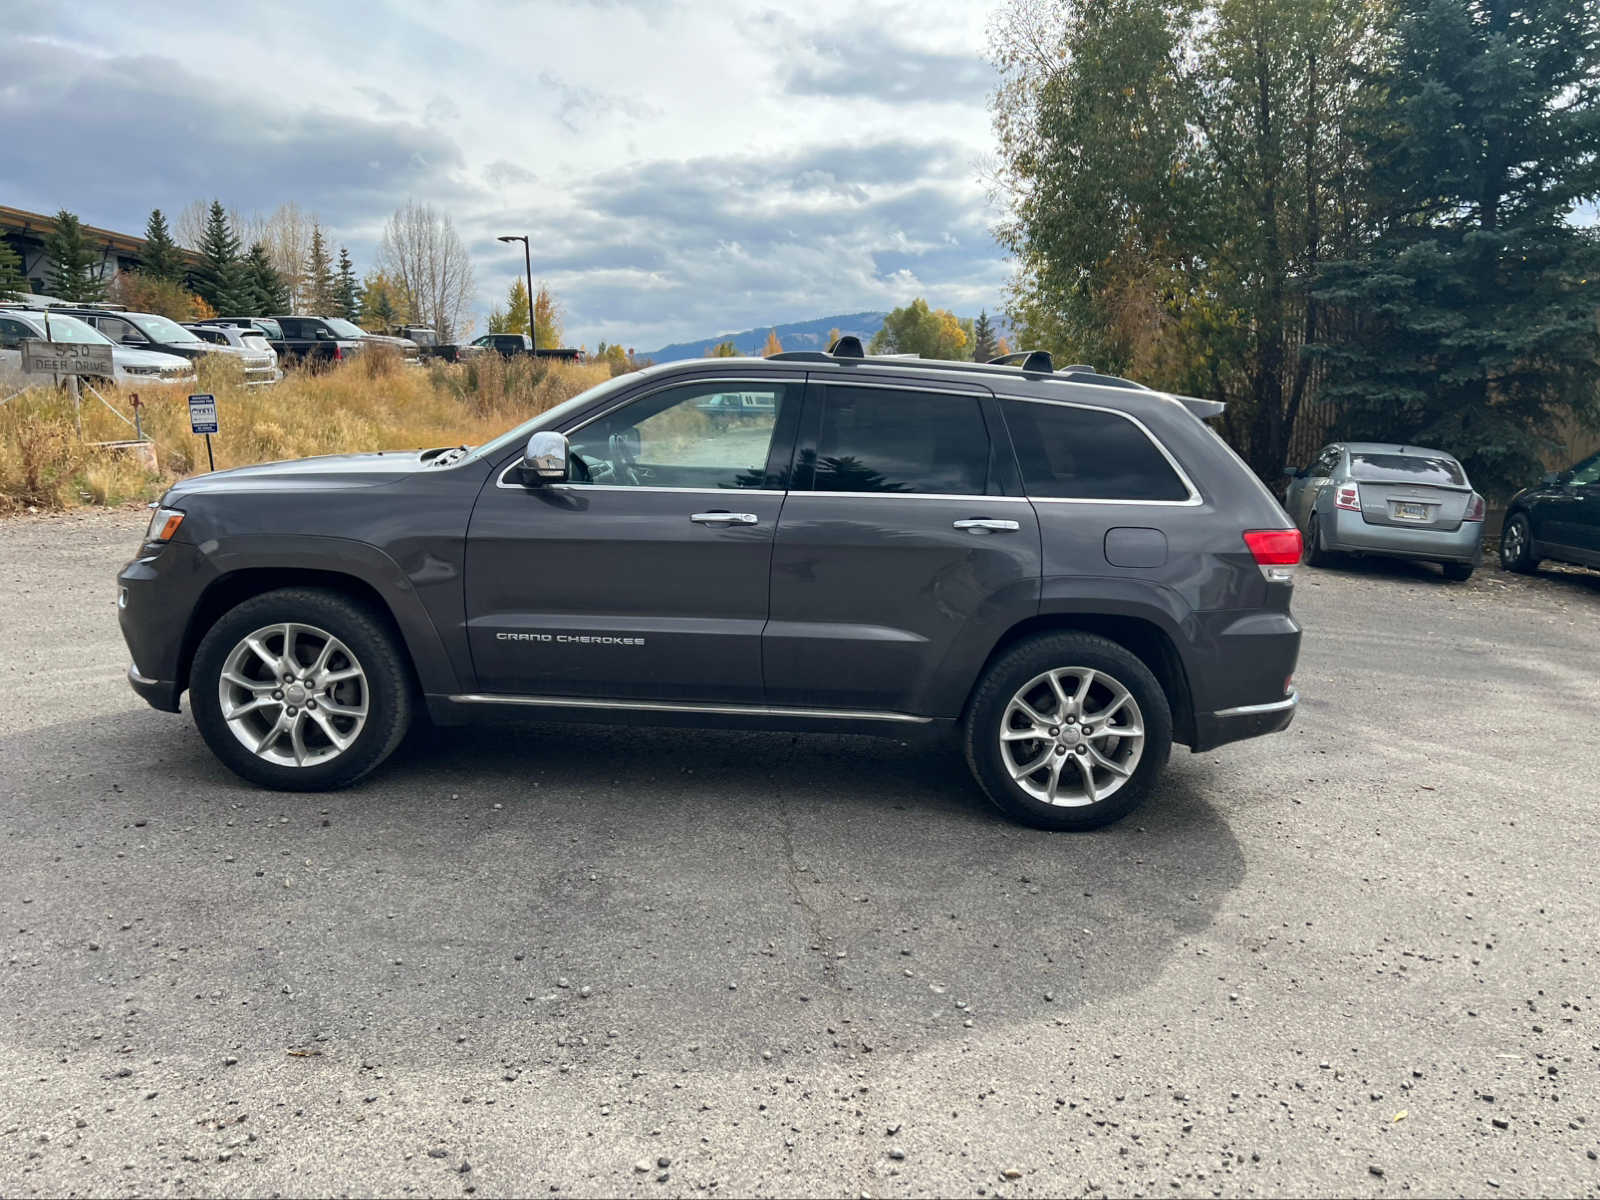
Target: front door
(900,558)
(1585,483)
(645,577)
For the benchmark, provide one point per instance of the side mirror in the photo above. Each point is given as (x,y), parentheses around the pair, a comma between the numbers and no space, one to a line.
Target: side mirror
(547,459)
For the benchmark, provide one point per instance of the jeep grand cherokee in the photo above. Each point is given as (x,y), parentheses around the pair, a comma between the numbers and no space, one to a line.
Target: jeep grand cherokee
(1066,570)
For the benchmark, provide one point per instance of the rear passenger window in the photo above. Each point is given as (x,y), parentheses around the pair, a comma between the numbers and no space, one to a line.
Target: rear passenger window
(1086,454)
(883,440)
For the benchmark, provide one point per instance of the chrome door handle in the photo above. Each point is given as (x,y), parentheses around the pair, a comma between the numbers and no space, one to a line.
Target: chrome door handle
(723,518)
(984,525)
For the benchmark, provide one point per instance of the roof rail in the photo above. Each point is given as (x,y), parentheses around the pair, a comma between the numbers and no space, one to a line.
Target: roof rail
(1033,361)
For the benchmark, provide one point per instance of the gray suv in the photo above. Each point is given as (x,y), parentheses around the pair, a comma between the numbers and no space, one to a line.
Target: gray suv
(1066,570)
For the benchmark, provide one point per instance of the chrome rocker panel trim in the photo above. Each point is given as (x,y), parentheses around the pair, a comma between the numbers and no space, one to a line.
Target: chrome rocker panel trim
(739,710)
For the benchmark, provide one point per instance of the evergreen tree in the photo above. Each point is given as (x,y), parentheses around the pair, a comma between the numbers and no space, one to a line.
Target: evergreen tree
(74,275)
(983,340)
(269,293)
(1473,320)
(11,278)
(162,258)
(220,279)
(324,293)
(347,289)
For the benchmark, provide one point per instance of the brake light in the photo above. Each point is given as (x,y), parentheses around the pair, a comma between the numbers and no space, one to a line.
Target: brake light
(1276,551)
(1348,497)
(1475,508)
(338,354)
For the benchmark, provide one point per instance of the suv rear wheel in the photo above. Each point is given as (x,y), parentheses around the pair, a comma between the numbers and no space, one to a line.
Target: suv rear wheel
(1067,731)
(300,689)
(1516,546)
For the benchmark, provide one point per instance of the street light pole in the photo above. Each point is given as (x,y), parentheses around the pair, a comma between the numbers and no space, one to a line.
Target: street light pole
(527,259)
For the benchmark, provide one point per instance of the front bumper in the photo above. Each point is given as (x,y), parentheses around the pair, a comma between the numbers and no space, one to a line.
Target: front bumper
(1348,531)
(157,693)
(156,592)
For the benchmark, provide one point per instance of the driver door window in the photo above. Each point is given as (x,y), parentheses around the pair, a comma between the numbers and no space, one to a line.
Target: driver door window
(705,436)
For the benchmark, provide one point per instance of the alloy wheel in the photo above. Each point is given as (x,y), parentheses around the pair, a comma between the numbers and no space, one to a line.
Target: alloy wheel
(293,694)
(1511,544)
(1072,736)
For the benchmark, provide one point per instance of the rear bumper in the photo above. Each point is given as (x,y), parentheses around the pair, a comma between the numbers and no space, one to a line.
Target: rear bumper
(1246,721)
(1348,531)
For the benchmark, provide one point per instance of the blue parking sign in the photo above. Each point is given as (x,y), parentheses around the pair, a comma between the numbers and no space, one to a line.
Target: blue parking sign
(202,414)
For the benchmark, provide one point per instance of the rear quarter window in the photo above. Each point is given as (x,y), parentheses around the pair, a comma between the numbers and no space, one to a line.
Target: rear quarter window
(1407,468)
(1071,453)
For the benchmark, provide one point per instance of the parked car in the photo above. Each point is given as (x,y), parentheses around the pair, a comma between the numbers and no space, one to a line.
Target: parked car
(431,345)
(1389,500)
(510,345)
(868,556)
(151,331)
(266,325)
(133,367)
(405,347)
(1557,518)
(260,359)
(314,341)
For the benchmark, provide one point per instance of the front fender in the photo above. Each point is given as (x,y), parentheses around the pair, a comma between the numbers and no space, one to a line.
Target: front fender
(224,558)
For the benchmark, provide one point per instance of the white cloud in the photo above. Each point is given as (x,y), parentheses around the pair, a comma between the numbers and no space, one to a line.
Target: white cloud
(683,167)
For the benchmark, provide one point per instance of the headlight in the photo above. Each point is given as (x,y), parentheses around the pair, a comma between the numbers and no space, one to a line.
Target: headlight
(164,524)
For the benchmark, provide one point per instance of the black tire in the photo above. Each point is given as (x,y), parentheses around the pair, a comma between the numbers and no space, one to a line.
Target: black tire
(390,689)
(1030,659)
(1457,572)
(1316,554)
(1516,550)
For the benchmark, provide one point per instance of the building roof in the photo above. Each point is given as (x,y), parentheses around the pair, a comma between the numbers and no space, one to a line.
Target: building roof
(17,220)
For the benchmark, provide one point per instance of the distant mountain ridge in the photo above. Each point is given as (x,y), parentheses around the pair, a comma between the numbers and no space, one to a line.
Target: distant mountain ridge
(797,335)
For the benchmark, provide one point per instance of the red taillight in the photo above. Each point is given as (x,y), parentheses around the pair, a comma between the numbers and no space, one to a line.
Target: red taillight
(1475,508)
(1276,551)
(1348,497)
(1274,547)
(338,354)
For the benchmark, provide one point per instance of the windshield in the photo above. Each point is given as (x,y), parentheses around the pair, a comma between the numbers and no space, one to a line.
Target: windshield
(345,329)
(548,418)
(70,329)
(1407,468)
(160,329)
(424,337)
(272,328)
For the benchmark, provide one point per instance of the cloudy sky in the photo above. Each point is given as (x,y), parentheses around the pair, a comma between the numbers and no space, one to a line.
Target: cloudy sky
(686,167)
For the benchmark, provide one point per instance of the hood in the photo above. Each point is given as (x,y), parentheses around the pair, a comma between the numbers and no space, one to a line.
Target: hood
(329,472)
(125,356)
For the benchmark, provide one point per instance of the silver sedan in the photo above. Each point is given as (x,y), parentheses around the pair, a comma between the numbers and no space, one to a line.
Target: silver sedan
(1387,499)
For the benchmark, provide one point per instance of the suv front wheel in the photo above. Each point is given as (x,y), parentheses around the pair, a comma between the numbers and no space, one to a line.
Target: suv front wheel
(300,689)
(1067,731)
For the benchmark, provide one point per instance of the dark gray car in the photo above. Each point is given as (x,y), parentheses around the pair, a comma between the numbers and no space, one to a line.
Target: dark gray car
(1069,571)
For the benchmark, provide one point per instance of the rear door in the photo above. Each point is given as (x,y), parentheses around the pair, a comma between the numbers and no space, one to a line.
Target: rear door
(904,551)
(1411,491)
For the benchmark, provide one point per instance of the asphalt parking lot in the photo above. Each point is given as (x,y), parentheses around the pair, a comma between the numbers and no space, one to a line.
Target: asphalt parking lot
(1360,958)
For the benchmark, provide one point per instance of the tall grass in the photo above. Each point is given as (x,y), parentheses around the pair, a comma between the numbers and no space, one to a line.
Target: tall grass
(372,402)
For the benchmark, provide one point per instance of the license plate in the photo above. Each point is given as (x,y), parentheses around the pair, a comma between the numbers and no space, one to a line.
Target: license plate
(1411,512)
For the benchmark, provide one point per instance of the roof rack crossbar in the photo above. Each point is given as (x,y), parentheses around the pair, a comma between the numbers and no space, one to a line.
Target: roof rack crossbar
(1029,360)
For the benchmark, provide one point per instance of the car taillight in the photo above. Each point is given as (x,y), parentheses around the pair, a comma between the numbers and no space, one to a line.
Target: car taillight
(338,354)
(1475,508)
(1276,551)
(1347,497)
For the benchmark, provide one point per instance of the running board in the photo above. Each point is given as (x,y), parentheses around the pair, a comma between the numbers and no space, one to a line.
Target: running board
(734,710)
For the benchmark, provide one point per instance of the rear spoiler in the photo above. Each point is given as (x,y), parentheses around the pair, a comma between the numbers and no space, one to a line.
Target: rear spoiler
(1204,409)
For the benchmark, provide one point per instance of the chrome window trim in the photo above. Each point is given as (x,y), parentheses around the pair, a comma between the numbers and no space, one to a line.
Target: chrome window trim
(970,393)
(500,481)
(744,710)
(975,497)
(1194,500)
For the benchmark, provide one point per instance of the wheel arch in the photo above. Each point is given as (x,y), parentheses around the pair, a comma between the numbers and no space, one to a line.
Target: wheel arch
(1143,635)
(234,587)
